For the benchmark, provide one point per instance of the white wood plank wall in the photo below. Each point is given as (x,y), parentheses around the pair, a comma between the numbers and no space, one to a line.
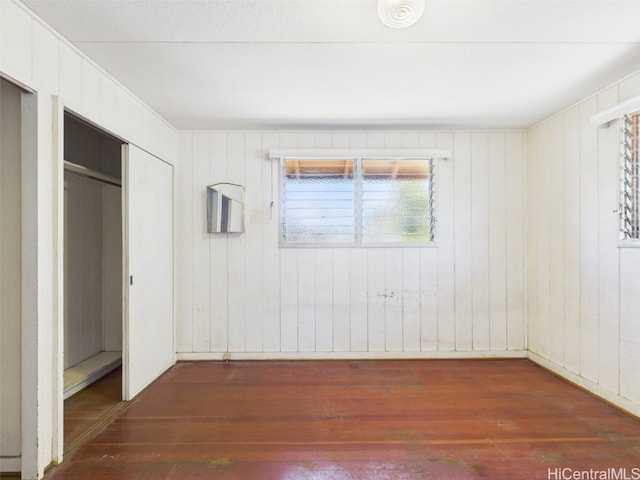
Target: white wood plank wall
(241,294)
(584,289)
(34,55)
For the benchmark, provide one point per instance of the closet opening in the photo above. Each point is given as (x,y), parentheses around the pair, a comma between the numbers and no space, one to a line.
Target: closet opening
(93,301)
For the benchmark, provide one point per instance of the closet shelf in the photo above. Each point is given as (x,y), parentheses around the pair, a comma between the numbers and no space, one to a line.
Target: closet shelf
(88,371)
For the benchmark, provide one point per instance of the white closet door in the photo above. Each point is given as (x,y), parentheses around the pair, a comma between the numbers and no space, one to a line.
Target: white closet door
(148,330)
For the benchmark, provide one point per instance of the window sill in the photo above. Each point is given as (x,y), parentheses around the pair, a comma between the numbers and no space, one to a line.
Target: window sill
(635,243)
(367,245)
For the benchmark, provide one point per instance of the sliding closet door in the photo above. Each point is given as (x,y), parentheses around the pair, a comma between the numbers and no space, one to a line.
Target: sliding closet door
(148,308)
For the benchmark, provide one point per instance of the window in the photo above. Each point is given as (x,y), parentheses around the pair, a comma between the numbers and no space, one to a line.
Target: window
(357,201)
(630,190)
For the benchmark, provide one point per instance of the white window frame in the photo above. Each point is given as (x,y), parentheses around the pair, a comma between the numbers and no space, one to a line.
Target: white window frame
(629,179)
(357,155)
(616,116)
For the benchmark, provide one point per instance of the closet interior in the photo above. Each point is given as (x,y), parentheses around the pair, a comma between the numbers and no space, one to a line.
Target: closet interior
(92,254)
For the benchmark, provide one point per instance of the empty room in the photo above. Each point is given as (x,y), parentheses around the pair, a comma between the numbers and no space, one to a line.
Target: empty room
(319,239)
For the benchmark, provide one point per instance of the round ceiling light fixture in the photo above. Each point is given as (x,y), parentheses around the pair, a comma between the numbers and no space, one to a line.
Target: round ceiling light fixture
(400,13)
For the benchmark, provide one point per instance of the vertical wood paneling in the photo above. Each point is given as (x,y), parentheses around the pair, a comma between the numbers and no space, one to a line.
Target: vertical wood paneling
(376,301)
(342,303)
(46,59)
(122,106)
(555,333)
(583,285)
(253,224)
(532,248)
(445,238)
(462,224)
(393,290)
(237,260)
(289,299)
(341,294)
(218,253)
(629,324)
(629,87)
(480,240)
(71,79)
(359,306)
(306,300)
(324,300)
(306,279)
(184,245)
(429,299)
(288,276)
(608,226)
(411,299)
(91,90)
(270,251)
(497,242)
(589,220)
(515,224)
(262,298)
(200,245)
(571,232)
(108,97)
(16,39)
(393,300)
(540,194)
(429,269)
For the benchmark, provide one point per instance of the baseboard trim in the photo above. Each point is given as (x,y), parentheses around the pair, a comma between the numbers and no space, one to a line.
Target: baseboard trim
(229,356)
(603,394)
(10,465)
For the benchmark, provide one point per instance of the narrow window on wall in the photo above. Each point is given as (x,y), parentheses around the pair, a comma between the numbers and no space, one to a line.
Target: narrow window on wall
(630,188)
(357,201)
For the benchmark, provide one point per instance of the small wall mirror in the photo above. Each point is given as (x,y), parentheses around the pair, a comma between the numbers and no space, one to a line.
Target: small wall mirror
(225,208)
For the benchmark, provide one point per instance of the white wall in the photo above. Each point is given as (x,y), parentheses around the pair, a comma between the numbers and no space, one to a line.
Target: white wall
(93,245)
(10,271)
(33,55)
(584,291)
(244,295)
(93,274)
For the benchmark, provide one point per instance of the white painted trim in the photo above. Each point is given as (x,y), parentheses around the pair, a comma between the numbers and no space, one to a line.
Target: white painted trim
(613,113)
(208,356)
(33,300)
(14,81)
(631,243)
(10,464)
(57,420)
(276,154)
(593,388)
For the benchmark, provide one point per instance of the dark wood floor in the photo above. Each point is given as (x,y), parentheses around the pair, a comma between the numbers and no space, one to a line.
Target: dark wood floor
(89,410)
(443,419)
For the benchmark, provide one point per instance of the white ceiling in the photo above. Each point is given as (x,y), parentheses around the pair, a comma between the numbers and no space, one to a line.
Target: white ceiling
(245,64)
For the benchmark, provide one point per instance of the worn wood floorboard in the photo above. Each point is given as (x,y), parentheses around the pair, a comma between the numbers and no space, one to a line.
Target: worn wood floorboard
(89,410)
(435,419)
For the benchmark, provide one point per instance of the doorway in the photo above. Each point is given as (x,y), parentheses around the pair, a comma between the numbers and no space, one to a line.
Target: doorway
(93,282)
(11,251)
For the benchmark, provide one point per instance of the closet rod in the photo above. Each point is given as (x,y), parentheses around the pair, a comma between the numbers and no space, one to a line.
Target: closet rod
(82,171)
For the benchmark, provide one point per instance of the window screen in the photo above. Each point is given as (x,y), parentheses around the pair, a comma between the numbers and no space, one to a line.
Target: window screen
(630,190)
(319,201)
(357,201)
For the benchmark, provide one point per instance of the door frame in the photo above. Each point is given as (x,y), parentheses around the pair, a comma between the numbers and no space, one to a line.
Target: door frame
(57,385)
